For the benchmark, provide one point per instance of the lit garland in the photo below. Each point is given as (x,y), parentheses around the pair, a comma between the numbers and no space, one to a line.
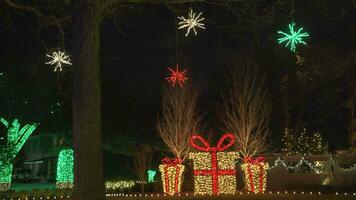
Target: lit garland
(302,144)
(16,138)
(113,185)
(151,175)
(320,167)
(255,174)
(171,174)
(214,170)
(4,186)
(176,76)
(293,37)
(191,22)
(58,58)
(65,169)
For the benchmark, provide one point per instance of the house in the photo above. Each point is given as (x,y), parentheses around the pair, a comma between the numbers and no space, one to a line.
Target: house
(41,154)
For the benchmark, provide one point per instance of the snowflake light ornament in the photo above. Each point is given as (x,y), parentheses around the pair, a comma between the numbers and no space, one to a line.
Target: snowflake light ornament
(191,22)
(57,59)
(176,76)
(293,37)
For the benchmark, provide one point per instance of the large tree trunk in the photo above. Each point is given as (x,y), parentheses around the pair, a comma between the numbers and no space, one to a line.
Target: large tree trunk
(352,105)
(88,170)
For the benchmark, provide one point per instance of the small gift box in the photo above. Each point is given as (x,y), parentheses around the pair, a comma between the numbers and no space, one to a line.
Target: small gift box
(255,171)
(214,169)
(171,174)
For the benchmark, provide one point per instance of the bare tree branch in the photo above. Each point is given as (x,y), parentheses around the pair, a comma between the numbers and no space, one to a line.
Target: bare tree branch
(179,119)
(246,110)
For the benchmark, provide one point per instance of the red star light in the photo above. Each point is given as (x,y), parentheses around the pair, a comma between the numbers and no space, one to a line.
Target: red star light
(176,76)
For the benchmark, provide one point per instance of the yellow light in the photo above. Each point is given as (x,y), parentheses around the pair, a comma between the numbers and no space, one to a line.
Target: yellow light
(171,178)
(203,183)
(259,171)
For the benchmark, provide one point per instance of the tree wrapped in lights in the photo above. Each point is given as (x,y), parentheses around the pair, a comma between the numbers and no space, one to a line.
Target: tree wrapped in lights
(16,138)
(255,171)
(302,143)
(65,166)
(178,121)
(214,169)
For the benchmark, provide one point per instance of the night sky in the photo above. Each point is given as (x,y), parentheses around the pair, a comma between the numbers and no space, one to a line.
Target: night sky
(134,64)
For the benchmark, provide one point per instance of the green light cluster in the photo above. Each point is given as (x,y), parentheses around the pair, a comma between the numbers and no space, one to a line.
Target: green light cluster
(65,167)
(293,37)
(5,173)
(151,175)
(16,138)
(303,144)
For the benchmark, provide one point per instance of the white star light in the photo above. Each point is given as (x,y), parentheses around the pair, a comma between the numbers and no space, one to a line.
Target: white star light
(58,58)
(191,22)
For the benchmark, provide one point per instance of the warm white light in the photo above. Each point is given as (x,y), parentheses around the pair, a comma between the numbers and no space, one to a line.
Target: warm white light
(191,22)
(58,58)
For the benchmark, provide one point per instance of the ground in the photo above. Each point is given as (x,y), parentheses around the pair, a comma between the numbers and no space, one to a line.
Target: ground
(247,197)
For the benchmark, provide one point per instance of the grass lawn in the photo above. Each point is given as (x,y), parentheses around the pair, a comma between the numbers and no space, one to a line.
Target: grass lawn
(246,197)
(30,186)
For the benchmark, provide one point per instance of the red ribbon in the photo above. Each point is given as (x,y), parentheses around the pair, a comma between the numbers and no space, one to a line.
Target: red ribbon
(258,161)
(215,172)
(171,162)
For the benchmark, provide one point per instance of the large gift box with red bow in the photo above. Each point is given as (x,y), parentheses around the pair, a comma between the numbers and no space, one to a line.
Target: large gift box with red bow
(214,169)
(255,171)
(171,173)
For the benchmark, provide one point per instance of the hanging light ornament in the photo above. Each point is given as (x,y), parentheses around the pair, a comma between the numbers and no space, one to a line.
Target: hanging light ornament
(191,22)
(57,59)
(293,37)
(177,76)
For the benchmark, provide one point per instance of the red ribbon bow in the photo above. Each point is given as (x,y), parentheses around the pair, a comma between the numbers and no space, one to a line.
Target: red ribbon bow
(171,161)
(250,160)
(215,171)
(206,146)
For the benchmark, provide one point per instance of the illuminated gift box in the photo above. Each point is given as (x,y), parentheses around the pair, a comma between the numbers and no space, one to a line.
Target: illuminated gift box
(214,169)
(255,171)
(171,174)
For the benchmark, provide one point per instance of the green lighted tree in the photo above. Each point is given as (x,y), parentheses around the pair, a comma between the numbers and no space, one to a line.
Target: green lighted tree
(65,169)
(16,138)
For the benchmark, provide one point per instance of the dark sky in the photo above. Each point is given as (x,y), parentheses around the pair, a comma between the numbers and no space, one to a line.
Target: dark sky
(134,63)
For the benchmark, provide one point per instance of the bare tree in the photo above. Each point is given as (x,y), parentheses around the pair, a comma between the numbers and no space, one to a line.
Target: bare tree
(246,109)
(142,160)
(179,119)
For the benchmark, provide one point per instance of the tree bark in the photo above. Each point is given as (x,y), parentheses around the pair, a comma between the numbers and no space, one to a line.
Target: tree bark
(87,138)
(352,105)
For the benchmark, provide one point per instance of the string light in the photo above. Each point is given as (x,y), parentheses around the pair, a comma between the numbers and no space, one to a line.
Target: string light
(214,170)
(191,22)
(255,171)
(113,185)
(64,177)
(171,174)
(302,144)
(320,167)
(58,58)
(293,37)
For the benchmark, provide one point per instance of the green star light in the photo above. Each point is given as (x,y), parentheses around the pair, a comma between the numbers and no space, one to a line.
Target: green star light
(293,38)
